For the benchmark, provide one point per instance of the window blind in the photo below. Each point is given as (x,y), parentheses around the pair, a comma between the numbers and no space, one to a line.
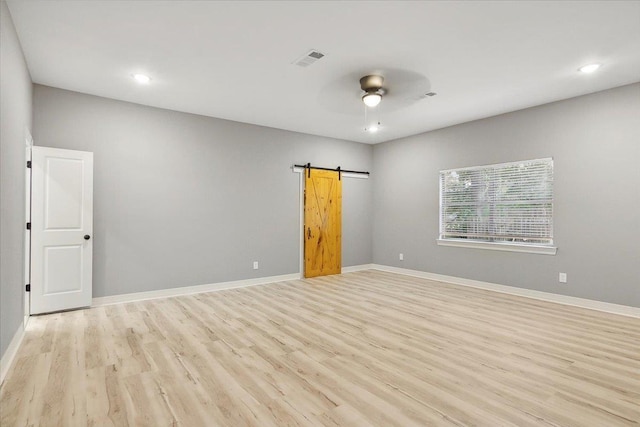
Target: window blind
(507,202)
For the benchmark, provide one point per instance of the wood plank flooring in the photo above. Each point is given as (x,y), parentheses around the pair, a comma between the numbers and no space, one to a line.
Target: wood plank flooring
(359,349)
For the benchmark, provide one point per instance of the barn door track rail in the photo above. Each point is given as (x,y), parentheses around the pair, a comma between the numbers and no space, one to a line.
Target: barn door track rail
(308,167)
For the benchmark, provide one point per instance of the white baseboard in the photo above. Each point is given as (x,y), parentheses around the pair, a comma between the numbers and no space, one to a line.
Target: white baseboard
(197,289)
(189,290)
(360,267)
(528,293)
(10,353)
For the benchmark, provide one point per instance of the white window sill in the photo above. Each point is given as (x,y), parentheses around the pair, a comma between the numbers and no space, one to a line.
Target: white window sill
(510,247)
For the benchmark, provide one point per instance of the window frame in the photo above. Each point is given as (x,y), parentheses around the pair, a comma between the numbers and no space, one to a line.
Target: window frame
(536,248)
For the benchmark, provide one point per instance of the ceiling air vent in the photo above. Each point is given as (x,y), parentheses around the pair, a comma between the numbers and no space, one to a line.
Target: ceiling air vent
(309,58)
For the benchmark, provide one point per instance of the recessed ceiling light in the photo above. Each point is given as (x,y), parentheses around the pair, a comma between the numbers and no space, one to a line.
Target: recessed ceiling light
(142,78)
(373,129)
(589,68)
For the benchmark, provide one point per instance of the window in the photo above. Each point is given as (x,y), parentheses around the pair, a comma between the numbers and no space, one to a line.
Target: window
(508,206)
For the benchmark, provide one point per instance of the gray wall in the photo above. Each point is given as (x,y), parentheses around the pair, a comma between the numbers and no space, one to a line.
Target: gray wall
(595,143)
(183,200)
(15,119)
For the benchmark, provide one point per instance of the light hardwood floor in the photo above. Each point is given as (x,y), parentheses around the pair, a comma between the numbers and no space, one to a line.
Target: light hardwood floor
(365,348)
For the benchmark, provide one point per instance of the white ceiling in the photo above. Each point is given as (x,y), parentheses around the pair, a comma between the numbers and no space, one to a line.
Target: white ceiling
(233,60)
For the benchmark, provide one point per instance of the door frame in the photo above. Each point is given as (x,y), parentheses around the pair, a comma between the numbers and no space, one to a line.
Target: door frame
(27,233)
(300,172)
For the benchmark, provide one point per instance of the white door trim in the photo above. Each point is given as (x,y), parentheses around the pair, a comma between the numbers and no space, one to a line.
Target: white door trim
(27,233)
(27,236)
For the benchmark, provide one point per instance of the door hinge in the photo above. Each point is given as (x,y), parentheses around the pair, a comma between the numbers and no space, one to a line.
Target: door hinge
(28,226)
(28,288)
(29,164)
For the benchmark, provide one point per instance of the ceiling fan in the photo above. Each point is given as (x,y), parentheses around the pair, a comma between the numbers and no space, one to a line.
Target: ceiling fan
(399,88)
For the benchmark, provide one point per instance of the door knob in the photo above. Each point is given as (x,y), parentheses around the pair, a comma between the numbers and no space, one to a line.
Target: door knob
(87,237)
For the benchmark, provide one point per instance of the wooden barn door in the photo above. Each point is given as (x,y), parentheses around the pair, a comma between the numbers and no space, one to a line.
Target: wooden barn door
(322,223)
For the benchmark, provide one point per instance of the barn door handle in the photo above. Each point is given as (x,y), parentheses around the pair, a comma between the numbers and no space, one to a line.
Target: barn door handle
(87,237)
(308,232)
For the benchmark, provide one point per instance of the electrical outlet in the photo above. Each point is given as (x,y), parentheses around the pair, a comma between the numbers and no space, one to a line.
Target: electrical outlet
(562,277)
(401,257)
(255,265)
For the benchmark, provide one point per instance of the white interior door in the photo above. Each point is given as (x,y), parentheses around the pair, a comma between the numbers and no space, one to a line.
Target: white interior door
(61,229)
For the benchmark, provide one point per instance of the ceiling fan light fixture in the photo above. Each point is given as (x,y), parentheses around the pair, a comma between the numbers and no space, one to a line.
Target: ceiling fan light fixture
(371,99)
(372,86)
